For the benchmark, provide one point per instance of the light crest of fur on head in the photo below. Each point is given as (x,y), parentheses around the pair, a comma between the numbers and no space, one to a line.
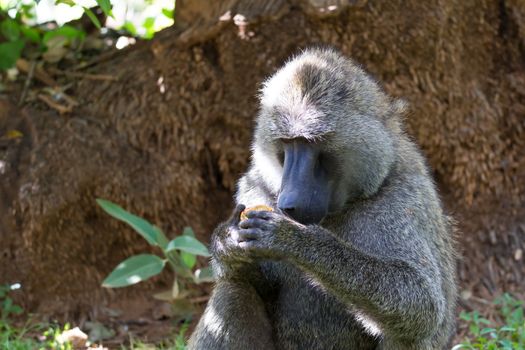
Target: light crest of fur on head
(320,92)
(293,112)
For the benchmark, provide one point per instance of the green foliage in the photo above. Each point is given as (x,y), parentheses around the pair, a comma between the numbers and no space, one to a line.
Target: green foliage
(52,336)
(143,228)
(149,26)
(180,341)
(11,337)
(485,335)
(134,270)
(105,5)
(20,36)
(168,13)
(16,338)
(68,32)
(10,29)
(92,17)
(7,307)
(180,253)
(130,28)
(9,53)
(188,244)
(15,38)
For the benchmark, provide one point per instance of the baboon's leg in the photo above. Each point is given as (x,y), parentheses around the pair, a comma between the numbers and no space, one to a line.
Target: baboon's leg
(235,318)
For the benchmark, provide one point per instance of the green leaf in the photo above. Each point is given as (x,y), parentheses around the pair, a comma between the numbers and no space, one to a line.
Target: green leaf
(10,29)
(168,13)
(506,344)
(487,330)
(203,275)
(9,53)
(143,228)
(31,33)
(188,244)
(105,5)
(160,238)
(26,10)
(130,28)
(16,309)
(66,31)
(484,321)
(67,2)
(92,17)
(188,259)
(188,231)
(134,270)
(465,316)
(149,23)
(149,26)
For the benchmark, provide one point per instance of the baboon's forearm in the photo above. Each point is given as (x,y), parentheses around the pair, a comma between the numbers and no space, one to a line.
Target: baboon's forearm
(392,291)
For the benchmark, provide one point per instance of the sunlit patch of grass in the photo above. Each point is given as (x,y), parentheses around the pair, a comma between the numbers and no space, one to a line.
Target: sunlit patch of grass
(507,332)
(30,336)
(14,339)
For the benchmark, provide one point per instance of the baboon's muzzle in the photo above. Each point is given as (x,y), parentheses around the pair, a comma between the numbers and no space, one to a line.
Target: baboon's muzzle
(305,189)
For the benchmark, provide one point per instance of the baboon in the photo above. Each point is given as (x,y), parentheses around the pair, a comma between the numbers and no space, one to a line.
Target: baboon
(358,253)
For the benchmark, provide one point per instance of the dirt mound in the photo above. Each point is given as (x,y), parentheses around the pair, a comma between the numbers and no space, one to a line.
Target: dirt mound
(168,138)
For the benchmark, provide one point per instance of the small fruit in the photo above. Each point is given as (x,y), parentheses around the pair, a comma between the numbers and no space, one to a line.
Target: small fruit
(255,208)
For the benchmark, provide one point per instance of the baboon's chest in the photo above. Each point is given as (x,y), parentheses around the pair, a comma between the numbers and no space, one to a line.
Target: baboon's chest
(305,316)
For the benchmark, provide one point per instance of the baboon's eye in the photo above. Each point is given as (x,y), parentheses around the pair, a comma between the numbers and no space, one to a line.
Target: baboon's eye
(280,157)
(325,161)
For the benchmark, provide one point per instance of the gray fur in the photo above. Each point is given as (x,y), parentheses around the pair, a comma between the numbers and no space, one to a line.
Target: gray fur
(378,272)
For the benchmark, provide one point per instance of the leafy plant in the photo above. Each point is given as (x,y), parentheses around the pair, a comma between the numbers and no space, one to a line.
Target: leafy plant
(180,254)
(15,35)
(18,33)
(17,338)
(180,341)
(22,36)
(7,307)
(52,338)
(485,335)
(105,5)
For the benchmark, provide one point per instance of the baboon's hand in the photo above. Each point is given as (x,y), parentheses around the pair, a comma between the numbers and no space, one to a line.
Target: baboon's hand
(267,234)
(225,248)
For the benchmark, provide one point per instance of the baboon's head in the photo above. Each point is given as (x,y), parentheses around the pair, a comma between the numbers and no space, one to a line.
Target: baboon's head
(324,135)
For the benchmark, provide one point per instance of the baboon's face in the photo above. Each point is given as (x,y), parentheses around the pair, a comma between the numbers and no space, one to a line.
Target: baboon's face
(319,143)
(310,178)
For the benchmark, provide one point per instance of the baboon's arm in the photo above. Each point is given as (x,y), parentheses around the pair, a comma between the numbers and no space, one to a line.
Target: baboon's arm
(399,293)
(235,318)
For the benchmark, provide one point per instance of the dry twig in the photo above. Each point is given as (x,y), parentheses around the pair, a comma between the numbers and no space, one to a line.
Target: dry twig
(56,106)
(89,76)
(27,83)
(41,75)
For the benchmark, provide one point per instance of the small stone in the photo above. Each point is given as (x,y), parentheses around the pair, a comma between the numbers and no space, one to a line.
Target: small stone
(518,254)
(75,336)
(466,294)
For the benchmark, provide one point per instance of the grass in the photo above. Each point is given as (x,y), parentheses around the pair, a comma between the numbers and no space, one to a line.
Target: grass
(506,331)
(178,343)
(40,336)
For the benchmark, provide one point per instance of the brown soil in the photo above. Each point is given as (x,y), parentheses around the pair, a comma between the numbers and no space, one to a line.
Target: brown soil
(172,153)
